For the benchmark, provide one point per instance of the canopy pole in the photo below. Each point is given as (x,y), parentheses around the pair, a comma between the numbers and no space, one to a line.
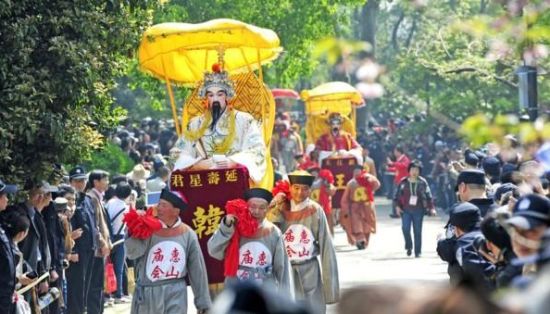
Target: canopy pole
(261,77)
(354,117)
(245,60)
(172,101)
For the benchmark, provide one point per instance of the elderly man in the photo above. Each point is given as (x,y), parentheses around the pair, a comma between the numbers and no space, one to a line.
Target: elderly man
(222,136)
(338,142)
(259,256)
(307,236)
(164,259)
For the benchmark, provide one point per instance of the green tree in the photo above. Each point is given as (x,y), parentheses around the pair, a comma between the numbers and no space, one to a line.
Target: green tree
(57,69)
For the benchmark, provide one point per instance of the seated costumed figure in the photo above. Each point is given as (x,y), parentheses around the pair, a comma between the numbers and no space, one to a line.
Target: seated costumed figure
(222,136)
(338,143)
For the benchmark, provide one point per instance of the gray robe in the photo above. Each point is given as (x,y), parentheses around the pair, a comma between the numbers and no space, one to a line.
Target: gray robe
(161,264)
(307,241)
(261,258)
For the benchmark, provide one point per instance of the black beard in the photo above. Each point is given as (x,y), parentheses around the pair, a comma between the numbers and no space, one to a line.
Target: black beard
(216,113)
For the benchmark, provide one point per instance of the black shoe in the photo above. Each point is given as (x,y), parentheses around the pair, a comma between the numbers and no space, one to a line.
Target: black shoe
(360,245)
(409,252)
(394,216)
(417,255)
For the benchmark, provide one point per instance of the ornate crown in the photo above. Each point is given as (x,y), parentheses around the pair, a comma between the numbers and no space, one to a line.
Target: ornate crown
(217,78)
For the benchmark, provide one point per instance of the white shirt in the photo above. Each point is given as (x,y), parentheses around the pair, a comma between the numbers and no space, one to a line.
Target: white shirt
(114,206)
(294,207)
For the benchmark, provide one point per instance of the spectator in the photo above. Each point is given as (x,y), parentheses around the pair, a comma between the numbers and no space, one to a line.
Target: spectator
(471,187)
(116,208)
(400,166)
(7,260)
(412,199)
(160,181)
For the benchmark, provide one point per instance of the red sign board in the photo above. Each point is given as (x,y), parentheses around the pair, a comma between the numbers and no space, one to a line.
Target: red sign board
(342,169)
(207,191)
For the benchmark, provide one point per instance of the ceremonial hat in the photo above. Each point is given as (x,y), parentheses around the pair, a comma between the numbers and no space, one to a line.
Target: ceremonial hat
(470,176)
(464,215)
(217,78)
(7,188)
(77,173)
(530,211)
(258,193)
(301,177)
(175,198)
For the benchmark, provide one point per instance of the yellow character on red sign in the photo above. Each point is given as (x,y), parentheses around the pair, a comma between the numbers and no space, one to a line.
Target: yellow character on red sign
(206,222)
(177,181)
(195,180)
(213,177)
(340,181)
(231,175)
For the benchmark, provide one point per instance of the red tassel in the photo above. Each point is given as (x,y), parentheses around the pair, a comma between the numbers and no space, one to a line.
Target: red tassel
(141,226)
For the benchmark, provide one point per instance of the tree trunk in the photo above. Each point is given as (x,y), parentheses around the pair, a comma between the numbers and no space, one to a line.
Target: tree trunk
(367,32)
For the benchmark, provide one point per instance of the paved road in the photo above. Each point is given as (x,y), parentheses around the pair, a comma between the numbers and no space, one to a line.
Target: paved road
(384,261)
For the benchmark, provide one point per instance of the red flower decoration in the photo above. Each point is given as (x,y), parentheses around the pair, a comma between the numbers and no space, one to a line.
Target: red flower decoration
(216,67)
(246,226)
(326,175)
(281,186)
(141,226)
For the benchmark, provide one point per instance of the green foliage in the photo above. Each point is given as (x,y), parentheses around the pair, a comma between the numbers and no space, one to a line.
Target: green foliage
(111,158)
(57,69)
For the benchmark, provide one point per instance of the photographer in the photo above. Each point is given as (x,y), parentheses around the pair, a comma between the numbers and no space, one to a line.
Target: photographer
(7,262)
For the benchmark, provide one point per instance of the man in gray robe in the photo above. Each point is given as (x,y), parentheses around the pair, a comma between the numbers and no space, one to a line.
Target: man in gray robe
(261,257)
(307,242)
(164,259)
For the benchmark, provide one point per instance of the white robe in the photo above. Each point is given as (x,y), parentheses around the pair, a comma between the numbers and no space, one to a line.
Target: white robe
(248,148)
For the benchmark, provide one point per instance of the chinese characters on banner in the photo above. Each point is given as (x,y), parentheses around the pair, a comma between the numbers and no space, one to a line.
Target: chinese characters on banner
(299,243)
(342,169)
(253,255)
(166,260)
(207,191)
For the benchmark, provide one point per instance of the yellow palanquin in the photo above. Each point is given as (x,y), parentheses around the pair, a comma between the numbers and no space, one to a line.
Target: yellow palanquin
(328,98)
(180,53)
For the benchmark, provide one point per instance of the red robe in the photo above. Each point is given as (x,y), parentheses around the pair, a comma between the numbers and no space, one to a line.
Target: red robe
(343,141)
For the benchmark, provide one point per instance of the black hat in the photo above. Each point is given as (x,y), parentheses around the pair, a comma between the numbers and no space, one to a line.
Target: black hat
(530,211)
(301,177)
(493,231)
(470,176)
(7,188)
(77,173)
(464,215)
(505,188)
(491,166)
(415,164)
(173,197)
(258,193)
(471,158)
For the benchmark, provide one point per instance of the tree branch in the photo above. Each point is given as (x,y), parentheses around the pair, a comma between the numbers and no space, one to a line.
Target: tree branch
(395,30)
(411,32)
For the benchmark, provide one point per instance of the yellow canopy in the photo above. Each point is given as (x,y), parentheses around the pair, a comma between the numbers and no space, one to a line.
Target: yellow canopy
(182,52)
(331,97)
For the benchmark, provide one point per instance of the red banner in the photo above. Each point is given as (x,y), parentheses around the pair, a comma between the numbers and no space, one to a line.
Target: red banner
(207,191)
(342,169)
